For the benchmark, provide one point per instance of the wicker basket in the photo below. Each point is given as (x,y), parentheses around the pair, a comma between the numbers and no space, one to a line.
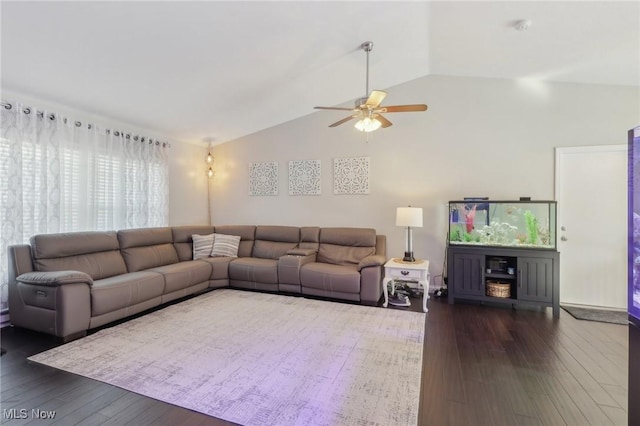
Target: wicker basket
(498,289)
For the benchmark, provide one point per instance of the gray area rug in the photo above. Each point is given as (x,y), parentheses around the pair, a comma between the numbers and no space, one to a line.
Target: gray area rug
(600,315)
(263,359)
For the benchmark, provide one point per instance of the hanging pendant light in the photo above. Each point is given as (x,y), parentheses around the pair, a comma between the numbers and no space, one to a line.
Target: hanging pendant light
(209,160)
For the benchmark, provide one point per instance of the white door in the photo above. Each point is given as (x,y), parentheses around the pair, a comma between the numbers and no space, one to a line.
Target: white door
(591,190)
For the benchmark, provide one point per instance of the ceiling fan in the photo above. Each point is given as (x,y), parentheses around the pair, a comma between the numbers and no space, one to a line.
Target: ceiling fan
(367,109)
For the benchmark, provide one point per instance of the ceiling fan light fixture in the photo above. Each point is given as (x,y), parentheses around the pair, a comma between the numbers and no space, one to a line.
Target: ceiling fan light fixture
(368,109)
(367,124)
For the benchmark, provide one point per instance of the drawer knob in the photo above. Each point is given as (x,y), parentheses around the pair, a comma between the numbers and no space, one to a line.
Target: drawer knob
(404,272)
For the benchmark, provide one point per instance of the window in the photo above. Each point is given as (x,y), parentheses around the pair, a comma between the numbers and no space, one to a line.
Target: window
(57,175)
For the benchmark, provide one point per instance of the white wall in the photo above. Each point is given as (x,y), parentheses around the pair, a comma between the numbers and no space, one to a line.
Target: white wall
(480,137)
(188,202)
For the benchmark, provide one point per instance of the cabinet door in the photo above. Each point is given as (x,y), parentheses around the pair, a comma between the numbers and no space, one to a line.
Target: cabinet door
(535,279)
(468,274)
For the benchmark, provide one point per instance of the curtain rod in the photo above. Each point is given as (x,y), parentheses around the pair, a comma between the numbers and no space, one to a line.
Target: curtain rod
(117,133)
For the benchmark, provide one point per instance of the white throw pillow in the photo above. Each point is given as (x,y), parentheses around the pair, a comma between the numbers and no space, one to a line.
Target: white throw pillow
(202,245)
(225,245)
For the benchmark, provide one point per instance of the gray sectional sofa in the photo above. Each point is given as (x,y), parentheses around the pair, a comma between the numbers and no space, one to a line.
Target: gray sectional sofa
(65,284)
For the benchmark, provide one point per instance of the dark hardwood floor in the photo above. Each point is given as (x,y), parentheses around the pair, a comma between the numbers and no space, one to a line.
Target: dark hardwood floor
(482,365)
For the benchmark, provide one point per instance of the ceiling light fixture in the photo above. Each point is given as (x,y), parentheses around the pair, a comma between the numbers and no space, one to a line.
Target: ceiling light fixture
(367,110)
(367,123)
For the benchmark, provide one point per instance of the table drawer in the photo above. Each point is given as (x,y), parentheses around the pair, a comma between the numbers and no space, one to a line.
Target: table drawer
(407,274)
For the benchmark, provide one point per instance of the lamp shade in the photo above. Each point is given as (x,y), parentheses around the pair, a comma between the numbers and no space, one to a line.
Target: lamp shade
(409,216)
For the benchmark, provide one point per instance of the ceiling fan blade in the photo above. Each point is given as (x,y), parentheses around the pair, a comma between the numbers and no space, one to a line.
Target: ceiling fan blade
(404,108)
(334,108)
(344,120)
(375,98)
(383,121)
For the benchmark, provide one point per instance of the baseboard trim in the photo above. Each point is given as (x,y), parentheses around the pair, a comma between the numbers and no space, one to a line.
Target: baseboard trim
(607,308)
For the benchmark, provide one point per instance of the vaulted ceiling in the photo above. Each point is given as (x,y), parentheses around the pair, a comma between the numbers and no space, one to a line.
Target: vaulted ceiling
(222,70)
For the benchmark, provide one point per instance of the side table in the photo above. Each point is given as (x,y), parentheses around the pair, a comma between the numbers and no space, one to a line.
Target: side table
(396,269)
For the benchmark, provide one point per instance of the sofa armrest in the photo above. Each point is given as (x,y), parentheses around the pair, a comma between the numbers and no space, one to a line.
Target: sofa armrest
(373,260)
(55,278)
(301,252)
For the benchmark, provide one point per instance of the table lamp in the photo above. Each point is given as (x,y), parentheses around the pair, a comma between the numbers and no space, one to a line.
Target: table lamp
(409,217)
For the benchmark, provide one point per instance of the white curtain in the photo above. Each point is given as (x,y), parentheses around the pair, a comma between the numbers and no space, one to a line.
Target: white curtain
(60,175)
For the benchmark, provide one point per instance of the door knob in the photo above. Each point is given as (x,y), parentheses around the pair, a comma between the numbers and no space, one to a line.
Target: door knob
(563,228)
(563,238)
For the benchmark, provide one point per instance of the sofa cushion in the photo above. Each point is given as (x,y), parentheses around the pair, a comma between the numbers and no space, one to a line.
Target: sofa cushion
(122,291)
(97,265)
(72,243)
(143,237)
(271,249)
(182,238)
(324,276)
(184,274)
(225,245)
(147,248)
(94,253)
(309,237)
(202,246)
(247,234)
(275,241)
(220,267)
(341,255)
(345,246)
(141,258)
(254,270)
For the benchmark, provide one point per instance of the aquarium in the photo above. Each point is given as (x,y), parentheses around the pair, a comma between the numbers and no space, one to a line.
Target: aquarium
(523,224)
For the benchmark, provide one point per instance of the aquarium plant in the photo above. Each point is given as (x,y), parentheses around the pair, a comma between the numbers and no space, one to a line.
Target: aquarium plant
(457,234)
(532,226)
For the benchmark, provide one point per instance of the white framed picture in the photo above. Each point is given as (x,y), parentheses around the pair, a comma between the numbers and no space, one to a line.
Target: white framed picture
(263,178)
(305,177)
(351,175)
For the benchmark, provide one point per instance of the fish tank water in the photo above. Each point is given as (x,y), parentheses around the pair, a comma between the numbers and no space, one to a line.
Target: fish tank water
(519,224)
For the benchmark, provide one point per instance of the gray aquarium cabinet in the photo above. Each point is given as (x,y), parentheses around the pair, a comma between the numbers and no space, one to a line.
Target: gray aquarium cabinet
(503,252)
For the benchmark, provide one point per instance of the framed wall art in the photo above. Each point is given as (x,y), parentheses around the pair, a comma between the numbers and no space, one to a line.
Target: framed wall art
(351,175)
(305,177)
(263,178)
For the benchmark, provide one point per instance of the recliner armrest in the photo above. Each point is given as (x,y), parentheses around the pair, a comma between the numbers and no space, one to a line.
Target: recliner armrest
(373,260)
(55,278)
(301,252)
